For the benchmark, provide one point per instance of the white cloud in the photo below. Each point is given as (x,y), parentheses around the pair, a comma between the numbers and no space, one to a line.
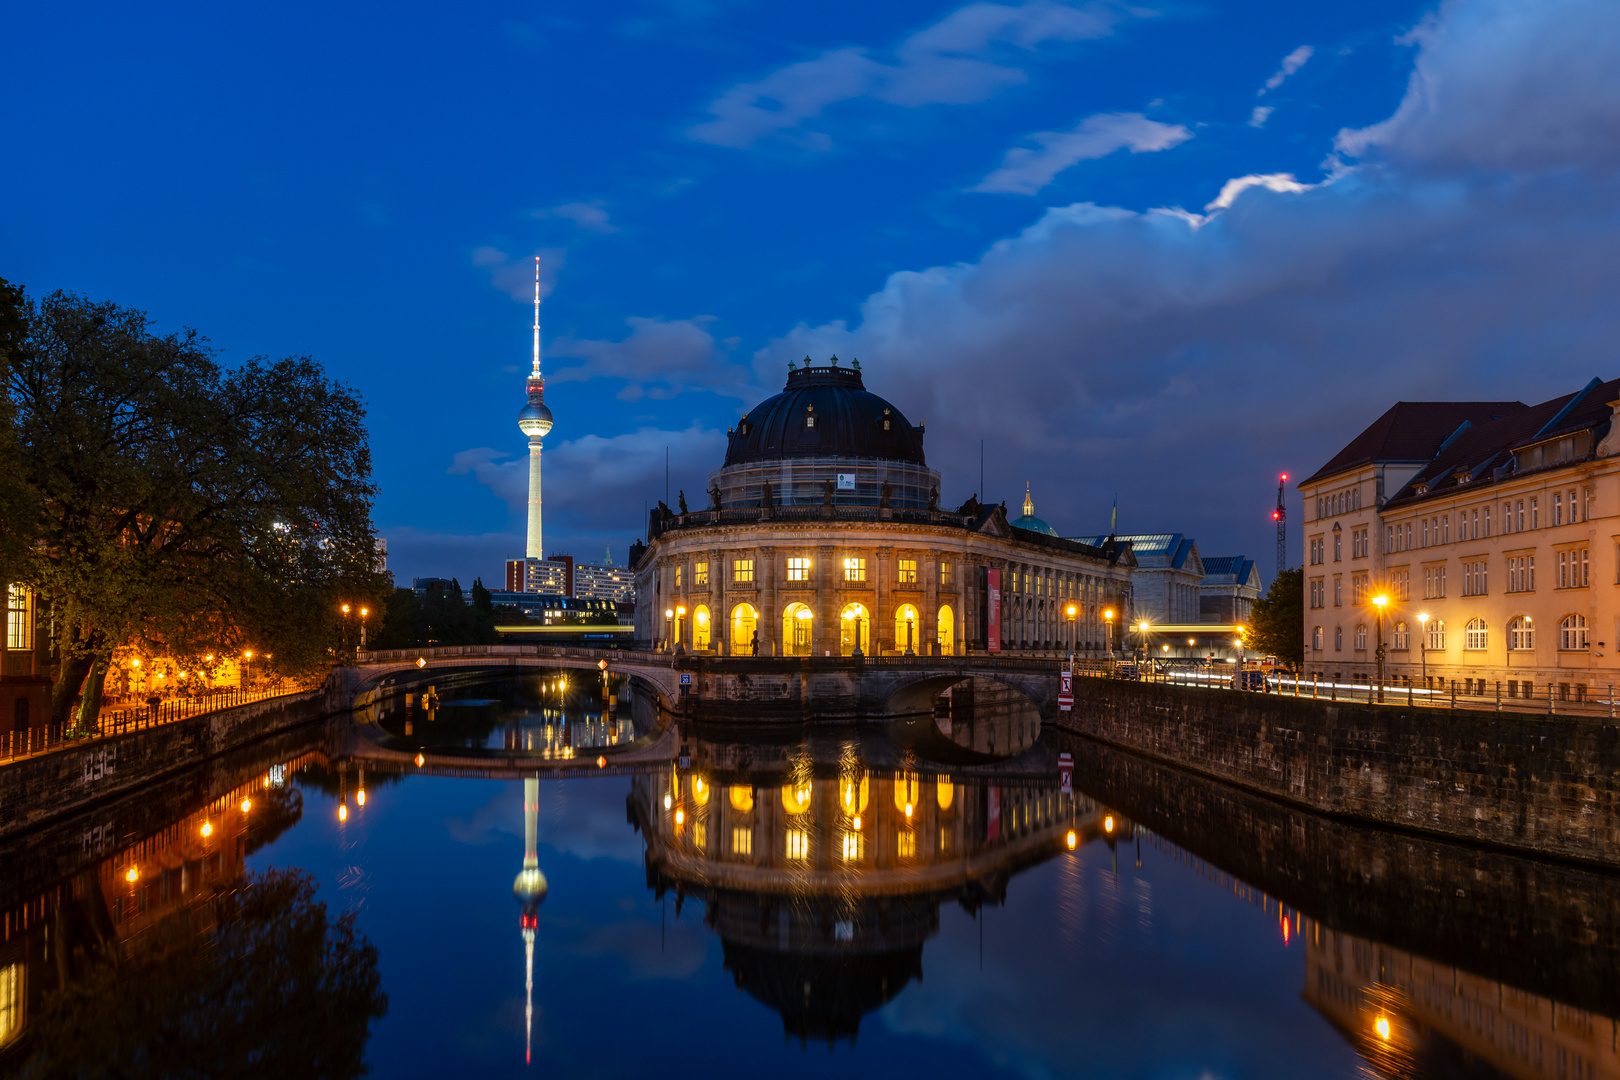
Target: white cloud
(514,276)
(661,358)
(590,216)
(1270,181)
(1261,114)
(948,63)
(1501,84)
(1290,64)
(1025,171)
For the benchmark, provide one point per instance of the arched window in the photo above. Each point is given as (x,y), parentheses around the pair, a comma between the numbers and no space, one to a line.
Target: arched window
(947,631)
(1361,637)
(907,628)
(797,620)
(1521,633)
(1476,638)
(852,617)
(744,630)
(1437,634)
(1572,633)
(701,630)
(1403,640)
(1316,639)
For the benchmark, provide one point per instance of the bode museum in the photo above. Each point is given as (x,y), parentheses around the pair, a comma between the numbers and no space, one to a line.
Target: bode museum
(823,536)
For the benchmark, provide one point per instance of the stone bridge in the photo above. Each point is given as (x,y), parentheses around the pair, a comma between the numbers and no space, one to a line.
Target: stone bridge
(806,687)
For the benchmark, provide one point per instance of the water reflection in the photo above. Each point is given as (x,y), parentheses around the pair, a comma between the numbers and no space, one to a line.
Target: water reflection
(824,875)
(553,715)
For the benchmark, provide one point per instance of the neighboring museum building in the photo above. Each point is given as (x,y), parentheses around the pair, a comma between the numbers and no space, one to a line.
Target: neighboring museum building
(1494,520)
(823,533)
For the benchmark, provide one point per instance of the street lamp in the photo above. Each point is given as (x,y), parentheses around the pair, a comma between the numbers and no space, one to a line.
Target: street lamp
(363,613)
(247,668)
(1072,611)
(680,617)
(1378,622)
(669,617)
(1241,660)
(1142,628)
(1423,645)
(1108,635)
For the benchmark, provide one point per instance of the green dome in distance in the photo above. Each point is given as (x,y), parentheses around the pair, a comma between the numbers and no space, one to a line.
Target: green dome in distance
(1029,520)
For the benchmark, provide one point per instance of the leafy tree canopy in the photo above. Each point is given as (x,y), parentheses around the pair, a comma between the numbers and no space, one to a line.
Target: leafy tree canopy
(1279,620)
(178,506)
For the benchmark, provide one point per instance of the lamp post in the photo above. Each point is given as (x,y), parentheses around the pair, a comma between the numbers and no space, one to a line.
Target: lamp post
(1378,654)
(247,669)
(680,617)
(1108,635)
(1423,645)
(345,609)
(363,613)
(669,617)
(1142,628)
(1241,682)
(1072,611)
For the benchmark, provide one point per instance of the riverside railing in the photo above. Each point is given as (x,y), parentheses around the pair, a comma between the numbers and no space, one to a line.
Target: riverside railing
(48,738)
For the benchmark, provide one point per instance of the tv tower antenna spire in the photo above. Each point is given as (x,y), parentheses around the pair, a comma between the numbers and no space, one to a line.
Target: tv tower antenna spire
(1280,516)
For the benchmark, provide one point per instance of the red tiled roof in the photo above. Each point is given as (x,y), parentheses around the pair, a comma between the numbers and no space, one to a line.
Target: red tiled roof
(1412,431)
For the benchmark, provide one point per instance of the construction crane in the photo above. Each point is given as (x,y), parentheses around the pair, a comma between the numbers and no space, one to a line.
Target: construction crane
(1280,516)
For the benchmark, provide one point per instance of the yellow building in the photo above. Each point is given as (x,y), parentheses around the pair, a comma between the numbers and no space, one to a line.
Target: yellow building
(1491,531)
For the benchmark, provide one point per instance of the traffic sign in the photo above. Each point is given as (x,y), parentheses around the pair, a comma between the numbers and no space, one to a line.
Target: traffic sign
(1066,773)
(1065,691)
(686,678)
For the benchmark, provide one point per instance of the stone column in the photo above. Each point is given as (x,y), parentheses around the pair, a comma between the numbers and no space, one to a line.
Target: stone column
(882,618)
(928,623)
(824,627)
(720,624)
(771,618)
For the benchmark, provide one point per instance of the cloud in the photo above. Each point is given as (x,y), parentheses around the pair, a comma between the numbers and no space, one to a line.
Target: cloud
(1270,181)
(1501,85)
(590,216)
(1261,114)
(952,62)
(1290,64)
(1138,344)
(515,276)
(416,553)
(1025,171)
(658,357)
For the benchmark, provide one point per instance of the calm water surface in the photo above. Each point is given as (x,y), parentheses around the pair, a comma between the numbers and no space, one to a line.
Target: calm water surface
(794,902)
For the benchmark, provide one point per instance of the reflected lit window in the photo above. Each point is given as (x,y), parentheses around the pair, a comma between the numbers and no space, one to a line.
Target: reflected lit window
(742,840)
(905,844)
(798,844)
(851,845)
(11,1002)
(700,835)
(944,840)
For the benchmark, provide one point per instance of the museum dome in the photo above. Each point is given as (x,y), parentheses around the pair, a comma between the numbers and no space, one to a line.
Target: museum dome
(824,412)
(1029,520)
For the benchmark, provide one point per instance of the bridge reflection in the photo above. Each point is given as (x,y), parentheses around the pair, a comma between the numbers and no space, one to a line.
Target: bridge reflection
(824,875)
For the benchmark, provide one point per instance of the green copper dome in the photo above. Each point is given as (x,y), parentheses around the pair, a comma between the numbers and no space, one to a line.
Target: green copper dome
(1029,520)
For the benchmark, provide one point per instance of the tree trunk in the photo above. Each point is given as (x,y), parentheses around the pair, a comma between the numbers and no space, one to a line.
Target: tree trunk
(89,711)
(68,681)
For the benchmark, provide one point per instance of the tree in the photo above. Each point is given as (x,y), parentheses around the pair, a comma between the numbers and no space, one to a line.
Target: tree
(1279,620)
(13,334)
(439,617)
(255,982)
(180,507)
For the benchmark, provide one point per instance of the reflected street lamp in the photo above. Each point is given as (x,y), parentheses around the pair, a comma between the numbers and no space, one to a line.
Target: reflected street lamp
(1423,645)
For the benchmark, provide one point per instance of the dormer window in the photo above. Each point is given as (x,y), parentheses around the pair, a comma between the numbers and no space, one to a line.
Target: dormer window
(885,419)
(809,416)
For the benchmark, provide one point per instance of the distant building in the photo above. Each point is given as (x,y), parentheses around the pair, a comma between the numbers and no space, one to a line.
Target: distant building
(615,583)
(381,564)
(1164,585)
(25,689)
(1230,587)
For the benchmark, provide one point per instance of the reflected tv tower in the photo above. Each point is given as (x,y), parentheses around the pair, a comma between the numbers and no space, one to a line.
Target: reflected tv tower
(530,890)
(535,421)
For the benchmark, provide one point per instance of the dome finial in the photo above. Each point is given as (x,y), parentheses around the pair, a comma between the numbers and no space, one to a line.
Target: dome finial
(1029,503)
(856,363)
(791,365)
(834,360)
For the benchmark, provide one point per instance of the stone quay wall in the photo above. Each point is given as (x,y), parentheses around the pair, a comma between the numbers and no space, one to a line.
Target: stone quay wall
(1548,785)
(36,789)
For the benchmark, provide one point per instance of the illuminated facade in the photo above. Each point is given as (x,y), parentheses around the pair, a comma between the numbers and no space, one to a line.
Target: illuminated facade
(1493,519)
(824,536)
(25,689)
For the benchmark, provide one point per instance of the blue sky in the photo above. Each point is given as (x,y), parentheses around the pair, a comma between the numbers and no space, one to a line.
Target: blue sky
(1020,216)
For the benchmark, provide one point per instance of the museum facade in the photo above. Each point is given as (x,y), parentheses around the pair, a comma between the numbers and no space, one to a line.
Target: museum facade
(823,536)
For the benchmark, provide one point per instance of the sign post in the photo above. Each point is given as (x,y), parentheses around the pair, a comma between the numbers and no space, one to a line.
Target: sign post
(1066,773)
(1065,691)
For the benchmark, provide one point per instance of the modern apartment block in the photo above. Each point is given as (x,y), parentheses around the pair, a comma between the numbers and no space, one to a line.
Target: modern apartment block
(1491,531)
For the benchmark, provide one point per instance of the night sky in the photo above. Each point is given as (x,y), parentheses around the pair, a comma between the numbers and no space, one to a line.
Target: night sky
(1159,252)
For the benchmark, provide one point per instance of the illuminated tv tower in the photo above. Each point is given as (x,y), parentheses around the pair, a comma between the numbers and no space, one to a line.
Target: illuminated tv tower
(529,889)
(535,421)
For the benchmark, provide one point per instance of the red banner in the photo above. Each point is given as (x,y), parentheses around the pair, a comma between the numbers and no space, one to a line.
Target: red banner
(993,612)
(993,810)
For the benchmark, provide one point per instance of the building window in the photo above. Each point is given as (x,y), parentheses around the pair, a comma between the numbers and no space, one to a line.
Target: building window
(742,570)
(1573,567)
(809,416)
(1317,589)
(1437,634)
(1521,573)
(1402,638)
(1316,639)
(700,573)
(1474,578)
(19,631)
(798,844)
(1358,589)
(1558,508)
(742,840)
(1338,592)
(1338,550)
(854,569)
(1361,637)
(1400,584)
(1338,639)
(1535,514)
(908,572)
(1572,633)
(1521,633)
(944,573)
(1434,582)
(798,568)
(1476,638)
(678,575)
(905,844)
